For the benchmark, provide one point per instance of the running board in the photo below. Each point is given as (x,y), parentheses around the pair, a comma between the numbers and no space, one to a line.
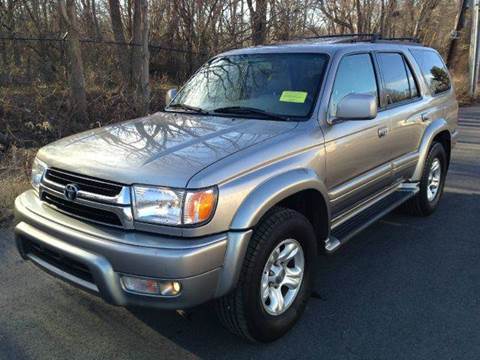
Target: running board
(351,227)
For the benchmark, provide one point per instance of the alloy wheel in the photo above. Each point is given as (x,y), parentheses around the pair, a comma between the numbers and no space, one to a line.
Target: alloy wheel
(434,178)
(282,277)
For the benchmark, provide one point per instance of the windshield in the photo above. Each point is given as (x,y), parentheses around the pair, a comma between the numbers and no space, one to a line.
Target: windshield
(275,84)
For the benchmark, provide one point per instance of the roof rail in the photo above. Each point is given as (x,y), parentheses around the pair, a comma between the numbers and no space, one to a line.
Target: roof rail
(336,36)
(362,37)
(411,39)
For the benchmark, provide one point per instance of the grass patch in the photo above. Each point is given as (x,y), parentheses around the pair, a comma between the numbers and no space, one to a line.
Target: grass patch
(10,188)
(14,179)
(32,116)
(460,83)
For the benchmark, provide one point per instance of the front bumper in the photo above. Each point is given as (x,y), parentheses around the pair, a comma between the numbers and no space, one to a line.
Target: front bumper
(94,257)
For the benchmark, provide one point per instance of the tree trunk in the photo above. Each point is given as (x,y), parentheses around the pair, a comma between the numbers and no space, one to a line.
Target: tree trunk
(344,23)
(259,21)
(4,140)
(381,25)
(454,46)
(4,54)
(77,79)
(172,60)
(98,33)
(123,51)
(360,25)
(140,58)
(12,28)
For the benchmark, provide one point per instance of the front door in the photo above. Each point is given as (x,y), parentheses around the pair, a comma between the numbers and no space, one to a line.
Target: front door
(357,151)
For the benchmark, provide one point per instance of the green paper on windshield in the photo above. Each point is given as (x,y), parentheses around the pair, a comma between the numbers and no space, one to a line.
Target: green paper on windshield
(298,97)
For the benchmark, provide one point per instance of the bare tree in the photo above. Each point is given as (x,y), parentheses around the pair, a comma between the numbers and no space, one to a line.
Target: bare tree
(140,57)
(426,8)
(187,33)
(337,15)
(123,53)
(77,79)
(9,23)
(453,49)
(258,15)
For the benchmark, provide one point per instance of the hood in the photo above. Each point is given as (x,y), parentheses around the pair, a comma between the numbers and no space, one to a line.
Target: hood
(161,149)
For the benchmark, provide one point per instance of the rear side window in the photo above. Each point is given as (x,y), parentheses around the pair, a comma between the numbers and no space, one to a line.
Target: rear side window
(398,80)
(411,80)
(433,69)
(355,75)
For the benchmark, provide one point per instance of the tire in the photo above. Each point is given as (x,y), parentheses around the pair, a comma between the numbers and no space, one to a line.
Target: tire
(243,311)
(421,204)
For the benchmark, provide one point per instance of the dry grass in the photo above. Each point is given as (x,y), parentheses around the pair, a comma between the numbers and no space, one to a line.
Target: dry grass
(460,82)
(14,179)
(32,116)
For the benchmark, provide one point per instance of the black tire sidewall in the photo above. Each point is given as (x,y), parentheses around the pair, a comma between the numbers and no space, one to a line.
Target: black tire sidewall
(436,151)
(263,326)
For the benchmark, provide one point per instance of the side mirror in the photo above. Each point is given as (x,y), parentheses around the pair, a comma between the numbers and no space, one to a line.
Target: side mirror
(170,95)
(357,107)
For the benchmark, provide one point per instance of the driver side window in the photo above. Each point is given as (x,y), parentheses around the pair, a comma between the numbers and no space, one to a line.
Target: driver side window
(355,74)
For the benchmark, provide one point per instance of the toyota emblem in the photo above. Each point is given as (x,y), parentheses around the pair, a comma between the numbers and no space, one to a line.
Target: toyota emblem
(71,191)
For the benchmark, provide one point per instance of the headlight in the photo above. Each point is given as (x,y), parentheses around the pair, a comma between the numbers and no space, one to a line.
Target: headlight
(38,170)
(172,206)
(157,205)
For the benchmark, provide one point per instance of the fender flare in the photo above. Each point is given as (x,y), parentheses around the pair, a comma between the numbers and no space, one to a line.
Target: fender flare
(272,191)
(432,130)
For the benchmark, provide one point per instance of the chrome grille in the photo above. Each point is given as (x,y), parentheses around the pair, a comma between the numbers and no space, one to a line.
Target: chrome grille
(97,200)
(82,211)
(84,183)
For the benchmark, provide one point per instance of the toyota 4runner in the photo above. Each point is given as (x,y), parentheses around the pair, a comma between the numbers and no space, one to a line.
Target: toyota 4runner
(266,157)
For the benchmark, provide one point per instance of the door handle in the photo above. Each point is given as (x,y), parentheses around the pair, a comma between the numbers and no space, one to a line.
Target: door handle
(383,131)
(425,116)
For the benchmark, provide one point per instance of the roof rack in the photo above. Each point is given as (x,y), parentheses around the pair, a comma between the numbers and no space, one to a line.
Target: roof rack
(333,36)
(410,39)
(362,37)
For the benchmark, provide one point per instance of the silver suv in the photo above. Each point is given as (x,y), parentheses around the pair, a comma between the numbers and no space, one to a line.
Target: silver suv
(265,158)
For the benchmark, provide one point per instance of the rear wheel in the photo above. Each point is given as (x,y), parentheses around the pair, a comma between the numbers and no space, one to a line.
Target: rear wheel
(431,184)
(274,284)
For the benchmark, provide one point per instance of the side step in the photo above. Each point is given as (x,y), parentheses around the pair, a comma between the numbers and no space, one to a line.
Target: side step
(351,227)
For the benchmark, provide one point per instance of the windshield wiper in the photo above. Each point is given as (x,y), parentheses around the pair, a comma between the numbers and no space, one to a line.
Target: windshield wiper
(245,110)
(188,107)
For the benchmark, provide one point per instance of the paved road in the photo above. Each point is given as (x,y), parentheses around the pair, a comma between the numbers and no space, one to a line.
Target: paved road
(406,288)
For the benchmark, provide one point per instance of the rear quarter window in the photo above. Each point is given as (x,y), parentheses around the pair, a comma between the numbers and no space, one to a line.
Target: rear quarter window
(433,70)
(399,84)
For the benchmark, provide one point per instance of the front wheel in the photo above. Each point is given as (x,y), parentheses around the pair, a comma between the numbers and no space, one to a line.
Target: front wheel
(275,280)
(431,184)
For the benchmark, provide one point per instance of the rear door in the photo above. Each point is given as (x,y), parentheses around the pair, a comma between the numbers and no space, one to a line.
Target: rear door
(402,103)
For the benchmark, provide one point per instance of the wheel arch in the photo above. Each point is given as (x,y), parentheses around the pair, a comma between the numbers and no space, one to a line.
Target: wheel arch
(444,137)
(439,131)
(299,190)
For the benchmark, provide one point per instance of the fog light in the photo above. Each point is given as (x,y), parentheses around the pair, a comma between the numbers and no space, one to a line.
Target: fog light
(151,286)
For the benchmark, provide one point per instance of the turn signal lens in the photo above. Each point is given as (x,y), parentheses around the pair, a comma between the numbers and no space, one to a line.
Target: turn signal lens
(199,206)
(38,170)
